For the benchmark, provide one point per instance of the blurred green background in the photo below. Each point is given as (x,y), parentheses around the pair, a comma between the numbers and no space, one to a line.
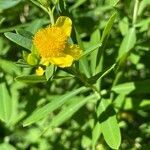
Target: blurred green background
(132,103)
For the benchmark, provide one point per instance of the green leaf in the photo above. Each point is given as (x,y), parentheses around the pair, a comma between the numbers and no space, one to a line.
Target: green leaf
(5,4)
(112,2)
(96,132)
(19,39)
(124,88)
(31,79)
(25,33)
(83,63)
(109,126)
(127,43)
(36,25)
(22,63)
(67,112)
(9,67)
(42,112)
(2,20)
(134,87)
(130,103)
(91,49)
(119,101)
(134,58)
(94,40)
(85,142)
(124,26)
(108,27)
(49,71)
(104,39)
(7,146)
(100,75)
(6,103)
(143,5)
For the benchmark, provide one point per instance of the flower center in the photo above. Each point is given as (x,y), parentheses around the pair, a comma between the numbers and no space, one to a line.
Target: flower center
(50,42)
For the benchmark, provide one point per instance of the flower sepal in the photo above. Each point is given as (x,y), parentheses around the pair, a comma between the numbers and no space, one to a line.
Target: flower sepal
(32,59)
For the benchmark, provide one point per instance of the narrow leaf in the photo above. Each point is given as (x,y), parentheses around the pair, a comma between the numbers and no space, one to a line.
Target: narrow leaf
(127,43)
(100,75)
(42,112)
(108,27)
(31,79)
(66,113)
(83,63)
(94,39)
(91,49)
(6,103)
(112,2)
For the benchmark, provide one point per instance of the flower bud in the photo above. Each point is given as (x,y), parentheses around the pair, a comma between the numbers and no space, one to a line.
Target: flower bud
(32,59)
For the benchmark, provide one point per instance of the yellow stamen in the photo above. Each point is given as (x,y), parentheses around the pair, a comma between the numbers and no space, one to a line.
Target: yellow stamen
(50,41)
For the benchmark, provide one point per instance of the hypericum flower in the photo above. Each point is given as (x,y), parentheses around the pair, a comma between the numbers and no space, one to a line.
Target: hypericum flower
(53,46)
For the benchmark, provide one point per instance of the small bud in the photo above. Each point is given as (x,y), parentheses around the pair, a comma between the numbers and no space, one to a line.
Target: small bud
(39,71)
(32,59)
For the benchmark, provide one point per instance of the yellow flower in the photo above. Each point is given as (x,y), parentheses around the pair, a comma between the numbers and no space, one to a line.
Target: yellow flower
(53,46)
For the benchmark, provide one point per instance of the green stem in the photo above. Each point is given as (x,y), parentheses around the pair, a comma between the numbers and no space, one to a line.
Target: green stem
(47,10)
(135,12)
(39,5)
(108,71)
(84,80)
(116,80)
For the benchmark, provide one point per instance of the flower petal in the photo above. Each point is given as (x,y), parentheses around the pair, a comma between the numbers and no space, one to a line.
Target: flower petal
(63,61)
(65,24)
(73,50)
(44,61)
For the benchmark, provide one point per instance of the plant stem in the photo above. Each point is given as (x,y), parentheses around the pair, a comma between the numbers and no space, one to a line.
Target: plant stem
(47,10)
(135,12)
(51,16)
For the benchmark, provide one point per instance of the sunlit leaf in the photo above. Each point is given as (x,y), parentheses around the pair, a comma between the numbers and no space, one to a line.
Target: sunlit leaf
(5,4)
(6,103)
(134,87)
(31,79)
(40,113)
(19,39)
(69,111)
(109,126)
(127,43)
(108,27)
